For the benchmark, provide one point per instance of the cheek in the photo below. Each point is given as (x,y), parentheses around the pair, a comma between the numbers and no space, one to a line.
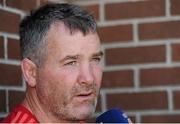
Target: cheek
(68,75)
(47,83)
(50,80)
(55,82)
(57,77)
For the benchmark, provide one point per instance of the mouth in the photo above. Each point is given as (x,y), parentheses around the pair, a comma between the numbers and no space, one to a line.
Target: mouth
(85,96)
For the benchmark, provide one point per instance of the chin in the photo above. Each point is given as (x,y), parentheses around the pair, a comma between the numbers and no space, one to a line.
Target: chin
(80,111)
(84,112)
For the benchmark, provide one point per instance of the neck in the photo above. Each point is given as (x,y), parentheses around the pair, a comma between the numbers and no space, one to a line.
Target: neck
(33,104)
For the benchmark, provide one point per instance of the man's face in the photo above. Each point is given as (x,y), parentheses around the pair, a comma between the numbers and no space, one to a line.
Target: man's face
(69,81)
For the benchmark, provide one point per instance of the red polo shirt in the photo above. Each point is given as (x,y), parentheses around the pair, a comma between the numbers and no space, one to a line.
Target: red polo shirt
(20,114)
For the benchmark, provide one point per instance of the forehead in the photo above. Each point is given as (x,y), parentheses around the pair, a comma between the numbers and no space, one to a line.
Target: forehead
(61,40)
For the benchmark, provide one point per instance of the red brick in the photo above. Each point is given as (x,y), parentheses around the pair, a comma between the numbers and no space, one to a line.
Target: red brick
(26,5)
(9,22)
(176,97)
(116,33)
(159,30)
(138,101)
(10,75)
(3,101)
(164,76)
(13,49)
(94,10)
(175,7)
(135,55)
(15,98)
(115,79)
(138,9)
(161,118)
(1,47)
(176,52)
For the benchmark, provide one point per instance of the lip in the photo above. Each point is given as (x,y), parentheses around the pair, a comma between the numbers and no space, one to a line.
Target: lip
(86,95)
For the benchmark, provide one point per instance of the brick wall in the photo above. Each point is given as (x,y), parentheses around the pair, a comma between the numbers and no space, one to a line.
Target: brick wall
(141,41)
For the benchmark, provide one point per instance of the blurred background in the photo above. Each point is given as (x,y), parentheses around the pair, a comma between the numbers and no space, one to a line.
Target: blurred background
(141,42)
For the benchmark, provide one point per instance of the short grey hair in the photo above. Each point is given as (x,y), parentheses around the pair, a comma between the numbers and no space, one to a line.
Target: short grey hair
(34,27)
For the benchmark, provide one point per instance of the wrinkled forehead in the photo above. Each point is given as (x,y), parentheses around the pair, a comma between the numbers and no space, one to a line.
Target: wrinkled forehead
(62,40)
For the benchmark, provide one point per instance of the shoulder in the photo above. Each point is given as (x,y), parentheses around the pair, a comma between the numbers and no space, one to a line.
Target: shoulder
(20,114)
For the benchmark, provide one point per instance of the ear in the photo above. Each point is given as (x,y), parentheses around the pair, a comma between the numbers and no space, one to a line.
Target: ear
(29,70)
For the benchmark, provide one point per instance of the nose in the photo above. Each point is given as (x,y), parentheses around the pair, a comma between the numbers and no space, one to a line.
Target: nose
(86,75)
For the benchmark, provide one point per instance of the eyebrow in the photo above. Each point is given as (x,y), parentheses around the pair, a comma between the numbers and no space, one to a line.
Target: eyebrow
(71,57)
(98,54)
(74,57)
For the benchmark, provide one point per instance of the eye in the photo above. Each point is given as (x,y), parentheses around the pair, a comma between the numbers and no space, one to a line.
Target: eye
(96,59)
(71,63)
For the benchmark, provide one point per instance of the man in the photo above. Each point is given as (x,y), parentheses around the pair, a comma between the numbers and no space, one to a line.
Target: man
(61,65)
